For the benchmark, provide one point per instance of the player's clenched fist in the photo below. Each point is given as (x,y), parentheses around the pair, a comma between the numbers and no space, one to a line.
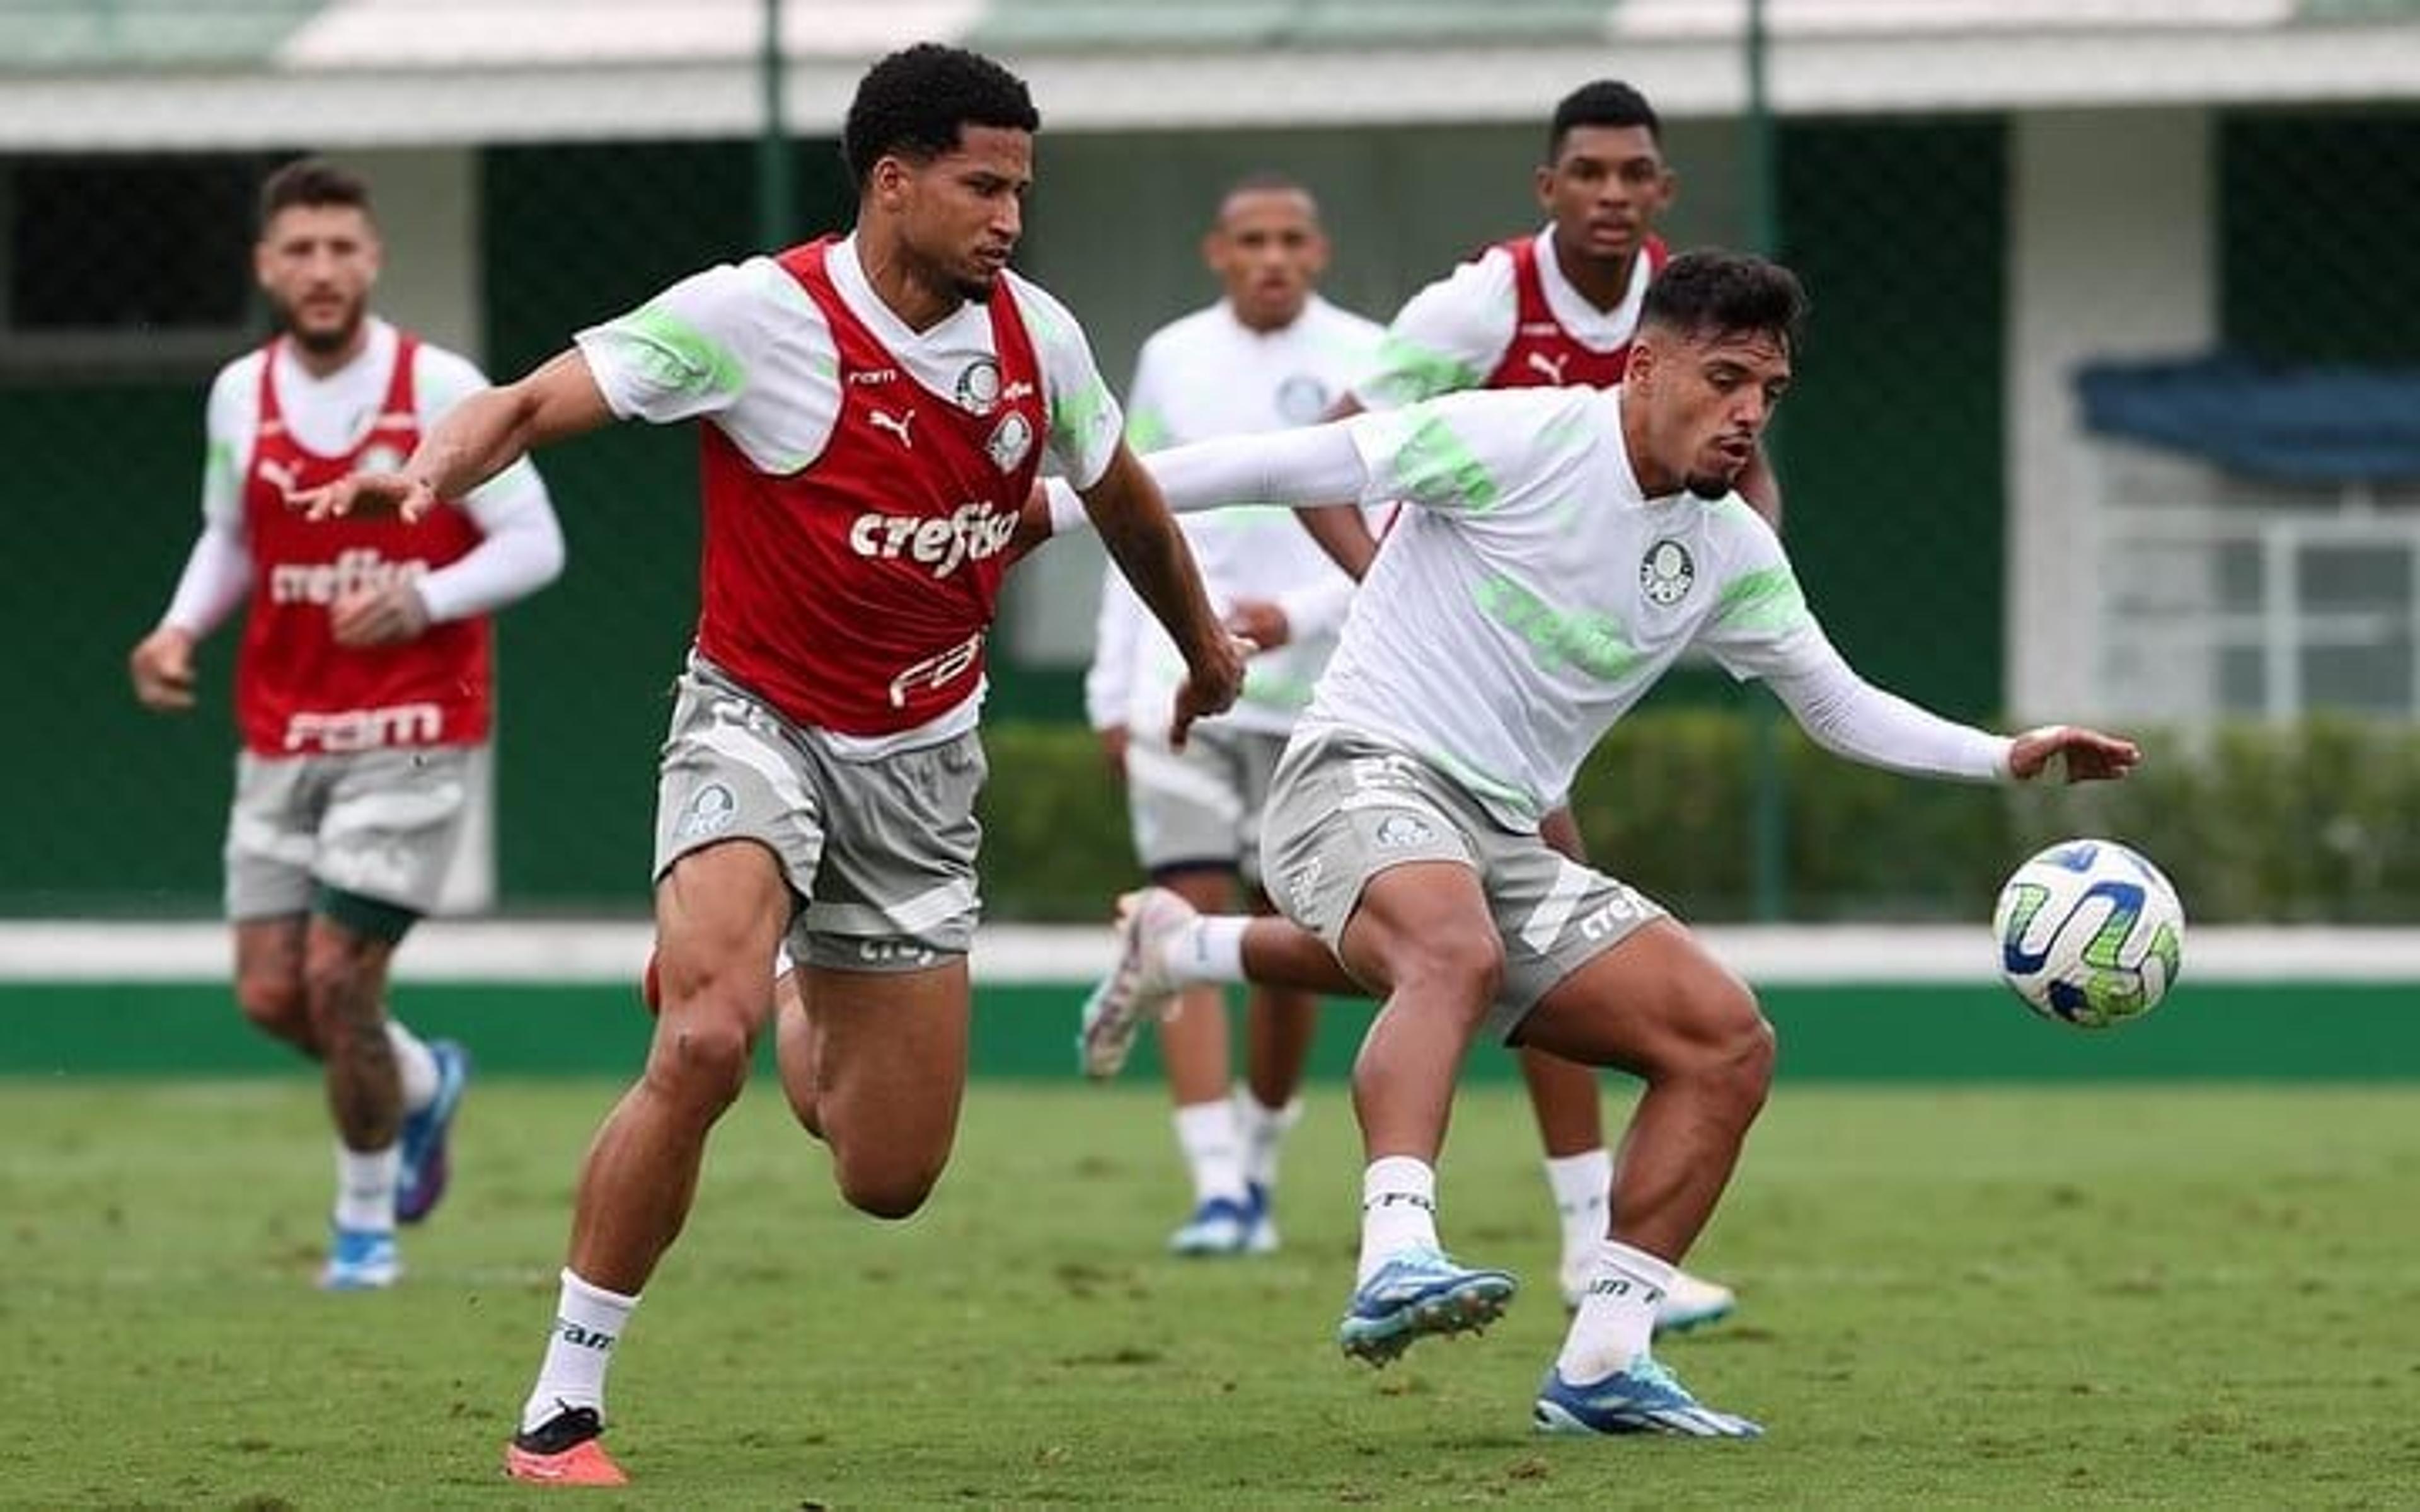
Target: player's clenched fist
(162,668)
(1212,687)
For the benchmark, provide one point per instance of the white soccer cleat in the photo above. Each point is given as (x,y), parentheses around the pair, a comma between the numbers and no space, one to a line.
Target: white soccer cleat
(1139,986)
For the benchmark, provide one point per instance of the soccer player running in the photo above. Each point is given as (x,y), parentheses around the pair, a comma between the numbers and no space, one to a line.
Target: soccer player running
(1270,355)
(877,407)
(1554,308)
(1560,549)
(364,686)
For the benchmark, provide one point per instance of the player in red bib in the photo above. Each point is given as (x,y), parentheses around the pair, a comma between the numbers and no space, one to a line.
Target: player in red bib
(877,407)
(363,689)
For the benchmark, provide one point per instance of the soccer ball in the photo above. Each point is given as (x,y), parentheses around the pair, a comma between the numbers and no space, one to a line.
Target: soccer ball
(2090,933)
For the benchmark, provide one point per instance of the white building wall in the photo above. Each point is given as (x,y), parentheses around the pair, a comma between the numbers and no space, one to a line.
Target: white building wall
(2112,255)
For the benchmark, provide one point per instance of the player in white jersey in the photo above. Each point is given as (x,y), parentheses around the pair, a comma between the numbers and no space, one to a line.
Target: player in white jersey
(1556,308)
(875,409)
(363,689)
(1563,549)
(1271,354)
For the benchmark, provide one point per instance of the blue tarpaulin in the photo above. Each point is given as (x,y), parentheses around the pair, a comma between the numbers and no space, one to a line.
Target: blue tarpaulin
(2309,424)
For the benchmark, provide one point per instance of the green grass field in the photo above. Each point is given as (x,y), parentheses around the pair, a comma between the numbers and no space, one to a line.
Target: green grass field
(2118,1296)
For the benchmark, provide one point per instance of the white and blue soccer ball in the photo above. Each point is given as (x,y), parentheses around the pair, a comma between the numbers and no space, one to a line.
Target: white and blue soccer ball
(2090,933)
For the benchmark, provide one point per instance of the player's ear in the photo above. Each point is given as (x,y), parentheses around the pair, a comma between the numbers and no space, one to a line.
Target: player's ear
(1542,181)
(1214,251)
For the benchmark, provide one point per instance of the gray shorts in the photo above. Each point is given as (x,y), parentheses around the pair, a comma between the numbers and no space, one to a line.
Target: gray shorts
(882,851)
(1201,806)
(380,824)
(1345,808)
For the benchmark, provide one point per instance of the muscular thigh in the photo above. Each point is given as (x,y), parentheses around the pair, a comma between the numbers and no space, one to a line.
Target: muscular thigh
(1644,1003)
(889,1057)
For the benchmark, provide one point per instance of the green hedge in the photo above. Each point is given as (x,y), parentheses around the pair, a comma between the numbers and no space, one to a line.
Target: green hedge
(2308,822)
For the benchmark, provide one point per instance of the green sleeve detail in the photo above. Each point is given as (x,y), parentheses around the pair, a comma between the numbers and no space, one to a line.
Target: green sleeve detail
(1408,372)
(672,354)
(1435,467)
(1076,416)
(1769,601)
(1146,431)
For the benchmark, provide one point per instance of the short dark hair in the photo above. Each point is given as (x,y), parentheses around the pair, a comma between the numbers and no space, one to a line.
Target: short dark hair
(1600,102)
(1269,181)
(914,103)
(314,182)
(1713,292)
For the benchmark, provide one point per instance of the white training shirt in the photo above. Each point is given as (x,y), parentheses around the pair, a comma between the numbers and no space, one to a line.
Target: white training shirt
(1204,376)
(523,546)
(744,347)
(1532,593)
(1453,333)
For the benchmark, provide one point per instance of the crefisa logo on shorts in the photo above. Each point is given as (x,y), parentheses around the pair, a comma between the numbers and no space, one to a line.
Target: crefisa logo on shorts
(710,811)
(1666,573)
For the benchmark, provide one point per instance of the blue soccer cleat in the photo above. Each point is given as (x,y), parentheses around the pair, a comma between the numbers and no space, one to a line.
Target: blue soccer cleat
(421,1181)
(1262,1238)
(361,1259)
(1220,1226)
(1645,1398)
(1416,1294)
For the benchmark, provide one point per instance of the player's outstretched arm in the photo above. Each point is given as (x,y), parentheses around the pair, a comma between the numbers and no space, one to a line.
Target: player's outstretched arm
(1126,506)
(479,437)
(1846,715)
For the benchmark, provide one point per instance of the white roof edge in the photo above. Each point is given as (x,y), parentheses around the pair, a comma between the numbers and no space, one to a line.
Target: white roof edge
(361,106)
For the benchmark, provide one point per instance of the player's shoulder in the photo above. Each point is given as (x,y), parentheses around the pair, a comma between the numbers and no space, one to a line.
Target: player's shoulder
(1045,315)
(446,368)
(1334,322)
(1189,333)
(241,371)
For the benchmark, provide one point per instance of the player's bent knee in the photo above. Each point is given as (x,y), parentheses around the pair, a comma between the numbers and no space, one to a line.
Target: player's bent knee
(1470,963)
(276,1005)
(888,1189)
(699,1060)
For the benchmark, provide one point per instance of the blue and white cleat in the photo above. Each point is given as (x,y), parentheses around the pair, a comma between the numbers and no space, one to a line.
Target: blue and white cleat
(1262,1238)
(1220,1226)
(361,1259)
(1418,1294)
(1645,1398)
(421,1181)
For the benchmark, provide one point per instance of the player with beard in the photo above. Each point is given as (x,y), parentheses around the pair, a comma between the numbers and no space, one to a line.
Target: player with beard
(363,689)
(1560,549)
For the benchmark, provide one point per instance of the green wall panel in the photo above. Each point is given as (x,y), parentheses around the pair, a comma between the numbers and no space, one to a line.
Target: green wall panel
(1891,448)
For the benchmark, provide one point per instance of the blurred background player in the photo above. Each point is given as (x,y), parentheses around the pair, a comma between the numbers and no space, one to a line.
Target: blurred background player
(1270,355)
(363,685)
(1556,308)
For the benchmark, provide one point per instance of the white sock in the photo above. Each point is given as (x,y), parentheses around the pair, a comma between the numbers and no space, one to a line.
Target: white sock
(1583,1188)
(366,1188)
(1263,1131)
(1617,1316)
(1208,950)
(588,1320)
(416,1063)
(1206,1133)
(1397,1210)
